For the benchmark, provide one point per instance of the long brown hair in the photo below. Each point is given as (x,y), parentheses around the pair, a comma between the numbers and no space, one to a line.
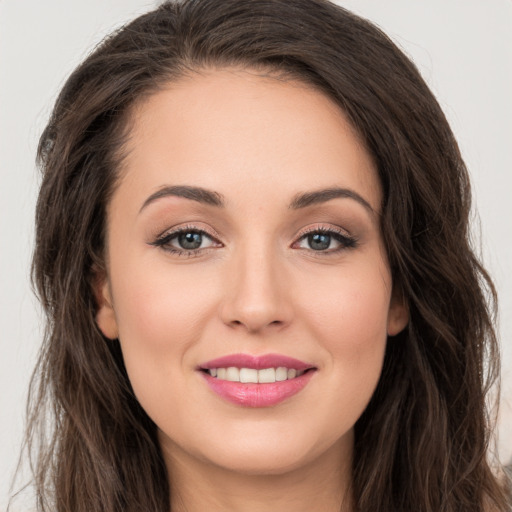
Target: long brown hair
(422,443)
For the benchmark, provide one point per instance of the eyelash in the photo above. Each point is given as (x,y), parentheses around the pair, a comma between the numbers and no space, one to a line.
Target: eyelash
(346,241)
(163,241)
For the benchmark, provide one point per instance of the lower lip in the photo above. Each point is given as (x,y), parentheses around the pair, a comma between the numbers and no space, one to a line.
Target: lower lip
(257,395)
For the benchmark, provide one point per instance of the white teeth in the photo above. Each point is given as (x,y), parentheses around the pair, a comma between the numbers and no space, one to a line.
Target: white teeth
(233,374)
(281,374)
(266,375)
(250,375)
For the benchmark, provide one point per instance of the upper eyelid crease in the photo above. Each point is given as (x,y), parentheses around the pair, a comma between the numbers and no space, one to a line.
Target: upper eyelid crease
(307,231)
(323,229)
(336,232)
(170,233)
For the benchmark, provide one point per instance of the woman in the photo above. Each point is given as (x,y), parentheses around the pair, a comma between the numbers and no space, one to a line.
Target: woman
(252,247)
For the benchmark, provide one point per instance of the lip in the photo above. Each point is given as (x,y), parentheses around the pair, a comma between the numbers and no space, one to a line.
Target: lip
(256,362)
(257,395)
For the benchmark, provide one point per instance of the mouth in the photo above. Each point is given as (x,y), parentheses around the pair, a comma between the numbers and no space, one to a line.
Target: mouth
(260,381)
(254,376)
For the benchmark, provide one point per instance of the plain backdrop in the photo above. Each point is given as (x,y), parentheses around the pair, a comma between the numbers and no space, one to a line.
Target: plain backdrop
(462,47)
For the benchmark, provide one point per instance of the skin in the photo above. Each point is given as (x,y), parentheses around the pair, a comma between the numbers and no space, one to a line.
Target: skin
(255,286)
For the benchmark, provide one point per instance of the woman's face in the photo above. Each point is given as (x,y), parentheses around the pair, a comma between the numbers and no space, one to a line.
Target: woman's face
(246,227)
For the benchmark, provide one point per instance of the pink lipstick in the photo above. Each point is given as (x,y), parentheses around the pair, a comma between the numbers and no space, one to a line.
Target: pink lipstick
(256,381)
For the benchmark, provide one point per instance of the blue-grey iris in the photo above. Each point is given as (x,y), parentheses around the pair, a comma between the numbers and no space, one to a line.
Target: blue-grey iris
(319,241)
(190,240)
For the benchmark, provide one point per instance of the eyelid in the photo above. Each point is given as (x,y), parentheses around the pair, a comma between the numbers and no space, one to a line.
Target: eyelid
(342,236)
(162,240)
(323,228)
(180,228)
(345,239)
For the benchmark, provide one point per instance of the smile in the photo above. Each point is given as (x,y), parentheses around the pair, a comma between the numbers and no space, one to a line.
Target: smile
(251,375)
(256,381)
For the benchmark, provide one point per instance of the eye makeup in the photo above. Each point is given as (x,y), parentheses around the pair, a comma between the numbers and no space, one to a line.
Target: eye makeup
(186,241)
(325,240)
(191,241)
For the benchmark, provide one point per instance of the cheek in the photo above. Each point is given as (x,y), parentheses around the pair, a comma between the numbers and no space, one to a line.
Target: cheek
(351,308)
(348,315)
(156,307)
(160,316)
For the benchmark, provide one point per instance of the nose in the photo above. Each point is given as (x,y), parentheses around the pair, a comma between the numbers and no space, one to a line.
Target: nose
(257,294)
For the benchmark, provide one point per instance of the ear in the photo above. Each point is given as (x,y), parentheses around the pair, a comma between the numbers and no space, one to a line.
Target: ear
(105,314)
(398,314)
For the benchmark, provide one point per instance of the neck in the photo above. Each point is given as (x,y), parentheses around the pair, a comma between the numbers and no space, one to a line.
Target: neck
(321,484)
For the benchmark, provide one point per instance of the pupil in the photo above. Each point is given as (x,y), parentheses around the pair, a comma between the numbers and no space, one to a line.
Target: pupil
(319,241)
(190,240)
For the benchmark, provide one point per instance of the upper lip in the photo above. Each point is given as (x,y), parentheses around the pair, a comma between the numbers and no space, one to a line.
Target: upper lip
(256,362)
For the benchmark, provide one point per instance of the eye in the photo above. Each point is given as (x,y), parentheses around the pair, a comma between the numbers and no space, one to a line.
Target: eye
(325,240)
(186,241)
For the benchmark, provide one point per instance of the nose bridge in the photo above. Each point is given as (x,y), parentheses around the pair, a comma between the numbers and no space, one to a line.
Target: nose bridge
(256,295)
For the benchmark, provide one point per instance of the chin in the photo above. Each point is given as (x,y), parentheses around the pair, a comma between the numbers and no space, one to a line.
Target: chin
(274,453)
(264,463)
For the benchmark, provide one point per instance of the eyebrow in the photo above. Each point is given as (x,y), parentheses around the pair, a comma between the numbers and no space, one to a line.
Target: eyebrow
(212,198)
(306,199)
(201,195)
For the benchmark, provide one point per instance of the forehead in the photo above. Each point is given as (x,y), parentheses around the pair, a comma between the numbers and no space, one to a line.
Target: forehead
(231,129)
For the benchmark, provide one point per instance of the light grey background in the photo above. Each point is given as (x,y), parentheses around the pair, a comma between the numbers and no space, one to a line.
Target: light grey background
(462,47)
